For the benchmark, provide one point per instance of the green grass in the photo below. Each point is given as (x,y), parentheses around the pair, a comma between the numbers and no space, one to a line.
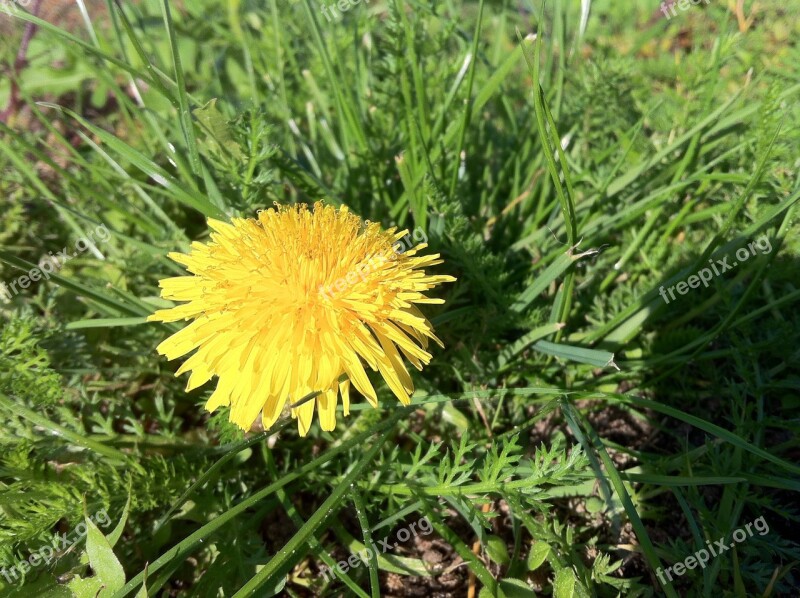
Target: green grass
(577,429)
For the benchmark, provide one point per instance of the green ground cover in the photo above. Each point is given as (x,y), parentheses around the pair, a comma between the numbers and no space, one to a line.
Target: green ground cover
(614,395)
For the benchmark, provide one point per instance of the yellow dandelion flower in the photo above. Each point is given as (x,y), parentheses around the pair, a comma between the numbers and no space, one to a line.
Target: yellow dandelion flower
(289,303)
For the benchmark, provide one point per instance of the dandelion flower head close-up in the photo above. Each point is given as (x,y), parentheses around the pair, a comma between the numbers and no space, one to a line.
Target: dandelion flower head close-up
(295,303)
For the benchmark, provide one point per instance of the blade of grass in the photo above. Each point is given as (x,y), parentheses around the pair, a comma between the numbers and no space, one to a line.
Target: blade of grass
(293,550)
(196,200)
(366,533)
(72,437)
(541,281)
(184,110)
(468,104)
(648,550)
(186,546)
(77,288)
(314,544)
(695,421)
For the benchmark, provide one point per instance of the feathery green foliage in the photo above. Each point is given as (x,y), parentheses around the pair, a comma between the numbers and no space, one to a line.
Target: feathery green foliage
(577,435)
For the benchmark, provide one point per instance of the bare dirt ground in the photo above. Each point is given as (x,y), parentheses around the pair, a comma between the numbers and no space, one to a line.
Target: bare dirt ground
(64,13)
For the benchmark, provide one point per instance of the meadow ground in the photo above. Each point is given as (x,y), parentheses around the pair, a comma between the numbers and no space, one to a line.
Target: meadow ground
(615,410)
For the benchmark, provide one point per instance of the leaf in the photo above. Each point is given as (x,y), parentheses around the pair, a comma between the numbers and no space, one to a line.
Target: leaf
(564,584)
(43,586)
(217,127)
(516,588)
(497,550)
(183,97)
(594,505)
(539,552)
(518,346)
(544,279)
(104,562)
(105,323)
(96,586)
(453,416)
(115,535)
(68,435)
(188,196)
(593,357)
(89,587)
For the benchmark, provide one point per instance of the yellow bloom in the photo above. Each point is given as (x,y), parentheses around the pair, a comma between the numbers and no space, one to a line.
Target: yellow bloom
(286,304)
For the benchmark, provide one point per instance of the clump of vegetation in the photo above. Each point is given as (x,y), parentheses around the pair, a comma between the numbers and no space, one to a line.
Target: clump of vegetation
(576,436)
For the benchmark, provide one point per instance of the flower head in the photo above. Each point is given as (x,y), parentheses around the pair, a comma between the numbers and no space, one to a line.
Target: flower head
(290,303)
